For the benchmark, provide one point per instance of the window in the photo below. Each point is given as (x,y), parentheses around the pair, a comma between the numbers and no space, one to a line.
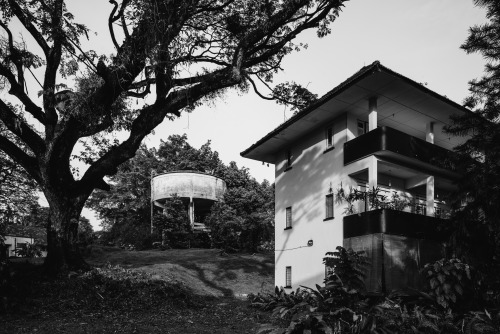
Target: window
(329,138)
(288,277)
(288,218)
(362,127)
(329,206)
(288,160)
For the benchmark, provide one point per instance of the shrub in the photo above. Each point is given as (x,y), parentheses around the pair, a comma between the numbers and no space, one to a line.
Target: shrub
(449,281)
(337,306)
(201,240)
(348,266)
(29,251)
(341,306)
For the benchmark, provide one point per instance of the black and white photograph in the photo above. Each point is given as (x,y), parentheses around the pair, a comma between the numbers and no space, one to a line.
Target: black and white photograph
(250,166)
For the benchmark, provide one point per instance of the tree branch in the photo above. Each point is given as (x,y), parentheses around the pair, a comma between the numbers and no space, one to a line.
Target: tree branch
(21,15)
(15,153)
(53,61)
(21,129)
(111,20)
(14,55)
(18,91)
(151,116)
(257,91)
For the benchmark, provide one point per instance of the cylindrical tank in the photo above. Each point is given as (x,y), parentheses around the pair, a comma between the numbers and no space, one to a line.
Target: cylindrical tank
(187,184)
(197,190)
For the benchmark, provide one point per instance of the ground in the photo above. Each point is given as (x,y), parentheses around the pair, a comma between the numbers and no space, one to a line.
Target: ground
(204,271)
(173,291)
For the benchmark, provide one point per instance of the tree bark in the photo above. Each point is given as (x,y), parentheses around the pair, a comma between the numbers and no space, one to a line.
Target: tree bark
(63,253)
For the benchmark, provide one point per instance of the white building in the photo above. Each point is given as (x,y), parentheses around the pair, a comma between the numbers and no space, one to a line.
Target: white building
(377,129)
(18,236)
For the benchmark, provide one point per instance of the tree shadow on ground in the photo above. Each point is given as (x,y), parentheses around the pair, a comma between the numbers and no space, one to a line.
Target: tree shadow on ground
(205,271)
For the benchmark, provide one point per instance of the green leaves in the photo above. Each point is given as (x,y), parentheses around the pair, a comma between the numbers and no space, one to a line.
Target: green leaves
(348,268)
(447,281)
(475,221)
(291,93)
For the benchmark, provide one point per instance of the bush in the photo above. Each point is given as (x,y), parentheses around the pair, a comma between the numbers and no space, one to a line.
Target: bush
(29,251)
(201,240)
(24,288)
(178,239)
(335,306)
(348,266)
(341,306)
(449,282)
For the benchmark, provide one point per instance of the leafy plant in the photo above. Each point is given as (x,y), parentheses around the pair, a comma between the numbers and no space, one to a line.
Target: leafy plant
(409,316)
(340,306)
(348,266)
(29,251)
(374,198)
(350,198)
(334,308)
(448,281)
(398,202)
(481,322)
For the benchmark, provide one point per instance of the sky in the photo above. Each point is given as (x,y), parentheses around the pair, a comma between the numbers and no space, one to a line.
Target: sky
(418,39)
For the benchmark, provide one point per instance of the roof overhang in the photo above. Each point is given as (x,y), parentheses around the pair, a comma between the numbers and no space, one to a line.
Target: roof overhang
(401,103)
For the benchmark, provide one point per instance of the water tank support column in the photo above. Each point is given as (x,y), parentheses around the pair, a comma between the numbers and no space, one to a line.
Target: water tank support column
(191,212)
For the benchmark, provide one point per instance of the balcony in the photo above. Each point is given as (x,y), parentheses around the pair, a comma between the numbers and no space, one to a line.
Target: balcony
(397,146)
(394,222)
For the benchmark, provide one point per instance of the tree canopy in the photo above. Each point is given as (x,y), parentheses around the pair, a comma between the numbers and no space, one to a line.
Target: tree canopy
(180,53)
(476,214)
(244,220)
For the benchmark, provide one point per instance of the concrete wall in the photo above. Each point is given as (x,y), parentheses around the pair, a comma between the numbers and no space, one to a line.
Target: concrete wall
(313,175)
(304,188)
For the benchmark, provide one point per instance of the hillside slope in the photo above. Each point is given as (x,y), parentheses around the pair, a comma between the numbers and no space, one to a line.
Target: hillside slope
(204,271)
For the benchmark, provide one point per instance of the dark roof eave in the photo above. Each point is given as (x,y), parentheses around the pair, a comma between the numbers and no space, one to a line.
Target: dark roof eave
(362,73)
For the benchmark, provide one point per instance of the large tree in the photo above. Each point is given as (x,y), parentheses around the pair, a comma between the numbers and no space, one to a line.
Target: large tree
(476,216)
(179,52)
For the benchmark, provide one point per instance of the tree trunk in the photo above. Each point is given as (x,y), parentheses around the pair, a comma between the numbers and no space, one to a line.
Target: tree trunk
(63,253)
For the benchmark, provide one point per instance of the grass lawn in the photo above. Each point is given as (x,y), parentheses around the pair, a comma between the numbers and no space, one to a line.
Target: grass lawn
(204,271)
(173,291)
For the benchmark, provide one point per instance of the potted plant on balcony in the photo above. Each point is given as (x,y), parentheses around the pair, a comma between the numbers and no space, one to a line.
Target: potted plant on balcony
(374,197)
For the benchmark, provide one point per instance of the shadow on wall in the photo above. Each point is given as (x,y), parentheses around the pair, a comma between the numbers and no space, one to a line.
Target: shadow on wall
(396,261)
(306,185)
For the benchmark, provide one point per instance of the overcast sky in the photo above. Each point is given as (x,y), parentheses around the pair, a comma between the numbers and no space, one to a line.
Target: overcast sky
(419,39)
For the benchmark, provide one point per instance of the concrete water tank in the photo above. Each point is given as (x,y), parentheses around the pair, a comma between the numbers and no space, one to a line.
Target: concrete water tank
(197,190)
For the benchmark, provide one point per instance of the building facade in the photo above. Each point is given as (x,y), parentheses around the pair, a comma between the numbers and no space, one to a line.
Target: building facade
(377,133)
(18,236)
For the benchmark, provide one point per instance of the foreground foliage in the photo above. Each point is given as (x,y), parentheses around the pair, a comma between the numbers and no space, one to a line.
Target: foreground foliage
(476,214)
(158,296)
(107,288)
(342,305)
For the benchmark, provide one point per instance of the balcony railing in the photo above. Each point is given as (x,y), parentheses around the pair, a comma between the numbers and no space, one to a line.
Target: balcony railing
(394,222)
(384,140)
